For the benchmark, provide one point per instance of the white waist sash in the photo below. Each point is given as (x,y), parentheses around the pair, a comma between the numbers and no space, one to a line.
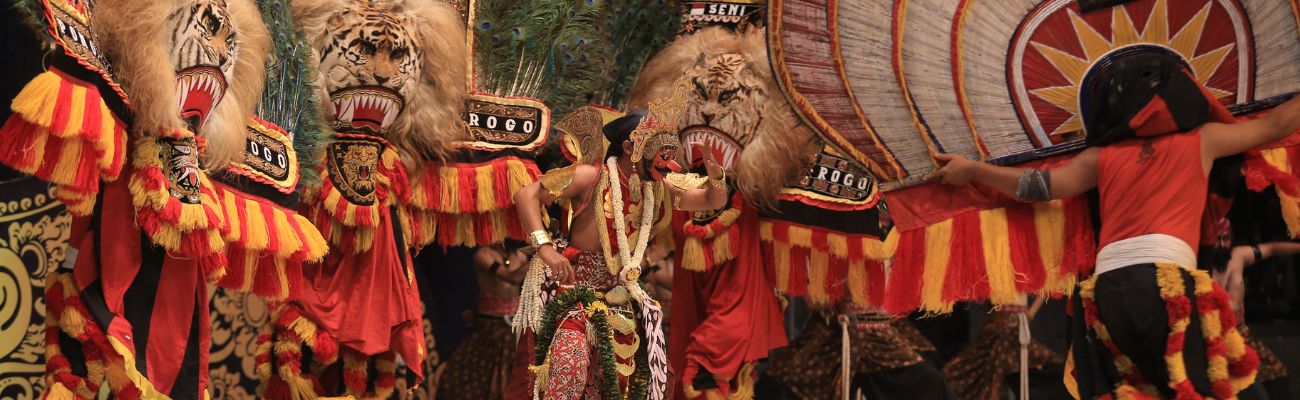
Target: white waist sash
(1146,249)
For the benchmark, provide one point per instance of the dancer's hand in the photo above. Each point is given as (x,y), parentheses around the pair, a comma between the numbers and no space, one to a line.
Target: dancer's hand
(561,270)
(956,170)
(1231,278)
(714,169)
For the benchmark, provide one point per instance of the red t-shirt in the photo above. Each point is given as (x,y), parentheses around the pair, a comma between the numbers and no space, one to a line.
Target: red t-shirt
(1154,185)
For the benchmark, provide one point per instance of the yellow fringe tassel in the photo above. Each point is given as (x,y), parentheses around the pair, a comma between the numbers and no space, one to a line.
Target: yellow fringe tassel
(693,254)
(938,240)
(1049,223)
(997,256)
(315,246)
(451,193)
(744,389)
(1279,159)
(838,245)
(800,236)
(890,246)
(818,264)
(520,175)
(37,101)
(858,282)
(485,195)
(59,392)
(781,252)
(128,371)
(722,248)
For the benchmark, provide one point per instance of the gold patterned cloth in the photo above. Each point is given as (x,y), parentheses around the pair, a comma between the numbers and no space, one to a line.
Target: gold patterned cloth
(979,370)
(1270,367)
(480,367)
(33,243)
(237,319)
(810,366)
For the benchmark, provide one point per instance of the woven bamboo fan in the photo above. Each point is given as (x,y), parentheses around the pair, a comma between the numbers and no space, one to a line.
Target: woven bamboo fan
(892,83)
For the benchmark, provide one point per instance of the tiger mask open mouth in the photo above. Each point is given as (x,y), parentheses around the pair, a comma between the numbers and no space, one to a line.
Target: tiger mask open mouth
(201,89)
(365,108)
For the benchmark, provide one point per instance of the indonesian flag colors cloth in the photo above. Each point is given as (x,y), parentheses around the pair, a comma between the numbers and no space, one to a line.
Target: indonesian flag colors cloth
(727,315)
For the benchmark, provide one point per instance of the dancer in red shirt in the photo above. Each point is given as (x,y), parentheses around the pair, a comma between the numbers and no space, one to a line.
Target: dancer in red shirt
(1153,133)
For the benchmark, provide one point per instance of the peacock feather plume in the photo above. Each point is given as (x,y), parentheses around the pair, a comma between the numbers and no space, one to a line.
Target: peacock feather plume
(567,53)
(33,15)
(635,30)
(290,98)
(544,49)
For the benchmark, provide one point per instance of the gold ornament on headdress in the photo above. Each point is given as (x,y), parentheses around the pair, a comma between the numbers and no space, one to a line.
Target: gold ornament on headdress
(661,120)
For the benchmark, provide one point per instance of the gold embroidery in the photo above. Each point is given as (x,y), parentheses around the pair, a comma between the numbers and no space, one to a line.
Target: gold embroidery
(353,164)
(556,180)
(180,159)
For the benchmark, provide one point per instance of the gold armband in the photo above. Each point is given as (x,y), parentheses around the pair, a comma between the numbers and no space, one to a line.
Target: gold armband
(719,183)
(539,238)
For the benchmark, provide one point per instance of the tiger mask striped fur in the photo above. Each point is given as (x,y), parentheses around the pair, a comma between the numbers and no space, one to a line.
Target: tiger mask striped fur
(368,46)
(727,95)
(734,107)
(178,59)
(414,48)
(203,35)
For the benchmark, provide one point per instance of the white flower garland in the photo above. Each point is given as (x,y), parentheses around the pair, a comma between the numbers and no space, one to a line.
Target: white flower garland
(633,260)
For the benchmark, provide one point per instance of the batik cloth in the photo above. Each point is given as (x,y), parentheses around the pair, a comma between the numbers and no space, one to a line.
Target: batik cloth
(574,363)
(810,366)
(480,368)
(913,336)
(980,371)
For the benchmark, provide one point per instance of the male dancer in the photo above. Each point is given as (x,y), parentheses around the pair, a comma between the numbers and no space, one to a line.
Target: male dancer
(1153,133)
(613,219)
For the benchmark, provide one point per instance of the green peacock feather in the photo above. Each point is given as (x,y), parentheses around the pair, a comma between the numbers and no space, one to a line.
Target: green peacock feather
(290,98)
(568,53)
(635,30)
(33,15)
(545,49)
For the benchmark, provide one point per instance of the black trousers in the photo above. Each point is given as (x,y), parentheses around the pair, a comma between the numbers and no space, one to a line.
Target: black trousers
(1129,304)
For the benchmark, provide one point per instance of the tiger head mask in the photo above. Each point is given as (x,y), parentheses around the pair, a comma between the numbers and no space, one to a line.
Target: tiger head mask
(195,64)
(391,68)
(733,106)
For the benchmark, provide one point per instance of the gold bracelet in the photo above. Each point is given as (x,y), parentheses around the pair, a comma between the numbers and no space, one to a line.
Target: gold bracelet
(717,183)
(539,238)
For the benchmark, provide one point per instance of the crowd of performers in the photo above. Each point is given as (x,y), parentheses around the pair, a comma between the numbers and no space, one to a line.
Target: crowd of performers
(178,134)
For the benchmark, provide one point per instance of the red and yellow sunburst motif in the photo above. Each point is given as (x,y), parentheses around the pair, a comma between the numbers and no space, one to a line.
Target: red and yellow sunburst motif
(1057,46)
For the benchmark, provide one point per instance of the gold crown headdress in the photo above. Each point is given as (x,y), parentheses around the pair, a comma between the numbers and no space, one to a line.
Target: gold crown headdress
(661,119)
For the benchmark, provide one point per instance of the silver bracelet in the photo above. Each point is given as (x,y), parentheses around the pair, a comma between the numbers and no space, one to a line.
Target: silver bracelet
(1034,185)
